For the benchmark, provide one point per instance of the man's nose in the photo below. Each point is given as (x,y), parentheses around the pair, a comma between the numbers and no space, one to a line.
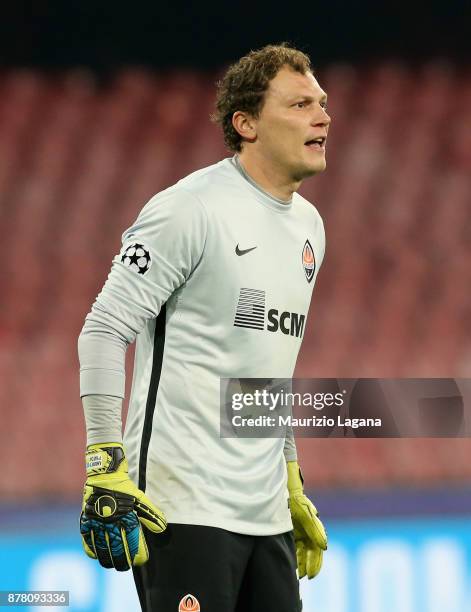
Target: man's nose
(321,118)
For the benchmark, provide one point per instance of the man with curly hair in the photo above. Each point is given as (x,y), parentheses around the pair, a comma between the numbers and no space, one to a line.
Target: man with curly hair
(214,281)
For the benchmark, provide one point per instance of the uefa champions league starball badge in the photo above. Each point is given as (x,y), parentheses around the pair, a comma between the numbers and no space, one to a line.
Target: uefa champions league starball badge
(137,258)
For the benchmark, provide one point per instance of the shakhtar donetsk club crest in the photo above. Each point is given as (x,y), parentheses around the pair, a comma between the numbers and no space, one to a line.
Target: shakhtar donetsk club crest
(189,603)
(309,263)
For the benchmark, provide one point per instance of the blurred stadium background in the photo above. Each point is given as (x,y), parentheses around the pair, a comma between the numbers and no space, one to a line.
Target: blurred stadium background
(100,108)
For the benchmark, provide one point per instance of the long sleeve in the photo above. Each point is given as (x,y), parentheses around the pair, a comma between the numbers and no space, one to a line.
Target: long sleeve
(102,418)
(159,253)
(289,449)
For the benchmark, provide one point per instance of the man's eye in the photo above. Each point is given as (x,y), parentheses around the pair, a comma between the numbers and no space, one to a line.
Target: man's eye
(324,105)
(300,104)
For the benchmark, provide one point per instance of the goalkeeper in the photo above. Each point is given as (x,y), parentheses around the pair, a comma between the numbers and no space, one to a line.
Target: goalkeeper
(214,280)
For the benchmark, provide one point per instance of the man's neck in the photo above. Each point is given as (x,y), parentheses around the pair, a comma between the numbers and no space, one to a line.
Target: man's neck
(267,176)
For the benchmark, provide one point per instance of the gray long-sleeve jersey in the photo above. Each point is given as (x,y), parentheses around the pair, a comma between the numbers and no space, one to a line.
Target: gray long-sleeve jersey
(214,280)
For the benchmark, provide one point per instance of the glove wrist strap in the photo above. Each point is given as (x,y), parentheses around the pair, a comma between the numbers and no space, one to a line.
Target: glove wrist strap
(295,479)
(105,459)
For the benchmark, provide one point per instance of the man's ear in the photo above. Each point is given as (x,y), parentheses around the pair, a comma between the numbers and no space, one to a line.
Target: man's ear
(245,125)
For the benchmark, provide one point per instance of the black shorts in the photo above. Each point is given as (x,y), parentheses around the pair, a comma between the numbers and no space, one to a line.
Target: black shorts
(206,569)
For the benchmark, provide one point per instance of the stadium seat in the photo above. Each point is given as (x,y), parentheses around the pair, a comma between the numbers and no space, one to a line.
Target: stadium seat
(79,158)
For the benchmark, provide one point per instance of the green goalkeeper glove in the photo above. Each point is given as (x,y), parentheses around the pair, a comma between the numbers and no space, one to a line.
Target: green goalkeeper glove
(113,510)
(309,533)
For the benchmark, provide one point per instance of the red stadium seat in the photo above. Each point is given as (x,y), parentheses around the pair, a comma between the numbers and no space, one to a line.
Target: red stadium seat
(79,159)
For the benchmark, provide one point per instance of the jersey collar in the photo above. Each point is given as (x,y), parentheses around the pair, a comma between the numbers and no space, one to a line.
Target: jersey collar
(268,199)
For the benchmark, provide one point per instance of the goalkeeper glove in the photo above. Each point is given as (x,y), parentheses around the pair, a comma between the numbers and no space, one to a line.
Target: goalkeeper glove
(309,533)
(113,510)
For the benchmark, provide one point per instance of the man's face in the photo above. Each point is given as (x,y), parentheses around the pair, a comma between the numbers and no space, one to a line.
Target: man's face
(292,117)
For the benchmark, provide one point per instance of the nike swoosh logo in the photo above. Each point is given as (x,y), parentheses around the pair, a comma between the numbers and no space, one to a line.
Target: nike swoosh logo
(243,251)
